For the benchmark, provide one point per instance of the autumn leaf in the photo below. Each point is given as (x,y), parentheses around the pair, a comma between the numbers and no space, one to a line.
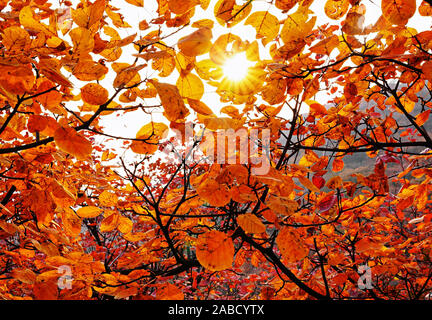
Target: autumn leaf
(251,223)
(336,9)
(109,222)
(172,101)
(70,141)
(290,245)
(423,117)
(190,86)
(265,24)
(89,212)
(282,205)
(215,250)
(94,93)
(169,291)
(16,78)
(108,199)
(214,193)
(149,136)
(398,11)
(197,43)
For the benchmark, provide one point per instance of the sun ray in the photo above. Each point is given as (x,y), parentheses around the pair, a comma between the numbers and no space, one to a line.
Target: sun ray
(236,68)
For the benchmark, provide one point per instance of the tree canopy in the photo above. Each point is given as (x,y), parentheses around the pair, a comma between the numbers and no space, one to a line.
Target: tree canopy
(307,177)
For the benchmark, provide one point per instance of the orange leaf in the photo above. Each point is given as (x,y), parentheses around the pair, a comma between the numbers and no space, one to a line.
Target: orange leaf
(16,79)
(169,291)
(290,245)
(24,275)
(337,165)
(94,93)
(197,43)
(398,11)
(70,141)
(171,100)
(336,9)
(109,223)
(108,199)
(151,133)
(334,183)
(308,184)
(251,223)
(214,193)
(125,225)
(199,107)
(422,117)
(282,205)
(89,212)
(215,250)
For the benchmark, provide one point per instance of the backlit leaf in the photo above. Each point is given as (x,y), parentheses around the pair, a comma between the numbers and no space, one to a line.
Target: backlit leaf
(398,11)
(89,212)
(70,141)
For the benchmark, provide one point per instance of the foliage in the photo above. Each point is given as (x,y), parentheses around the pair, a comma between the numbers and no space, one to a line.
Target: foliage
(145,217)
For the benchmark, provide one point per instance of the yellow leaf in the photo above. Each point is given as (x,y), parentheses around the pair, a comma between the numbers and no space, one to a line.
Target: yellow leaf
(108,199)
(116,18)
(82,40)
(125,225)
(28,21)
(265,24)
(297,25)
(89,212)
(190,86)
(197,43)
(215,250)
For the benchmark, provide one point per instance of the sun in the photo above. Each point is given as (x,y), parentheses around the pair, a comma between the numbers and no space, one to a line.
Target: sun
(236,68)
